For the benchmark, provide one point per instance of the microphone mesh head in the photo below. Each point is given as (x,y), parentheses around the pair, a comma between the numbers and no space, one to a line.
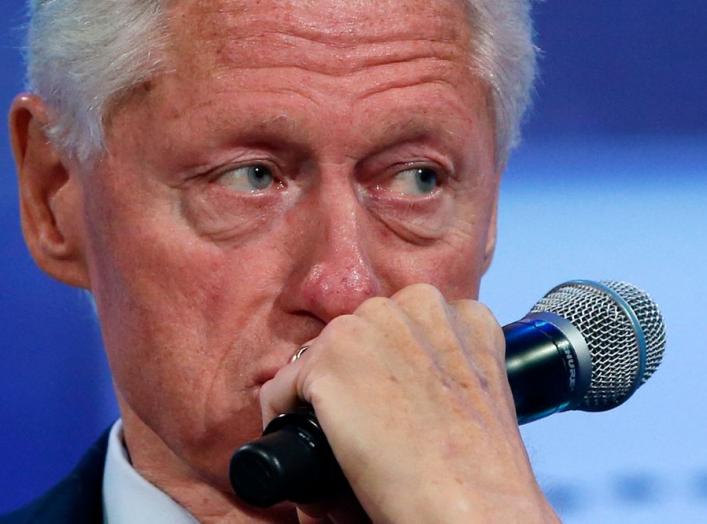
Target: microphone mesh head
(619,365)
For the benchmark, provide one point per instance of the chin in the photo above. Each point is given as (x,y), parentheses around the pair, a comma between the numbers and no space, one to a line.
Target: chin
(209,452)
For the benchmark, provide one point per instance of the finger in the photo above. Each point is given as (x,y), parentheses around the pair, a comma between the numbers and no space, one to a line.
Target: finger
(404,347)
(280,394)
(464,339)
(477,320)
(485,336)
(436,323)
(479,329)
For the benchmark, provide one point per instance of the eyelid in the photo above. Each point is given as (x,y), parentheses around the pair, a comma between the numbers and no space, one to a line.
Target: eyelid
(442,172)
(414,169)
(384,186)
(412,154)
(214,174)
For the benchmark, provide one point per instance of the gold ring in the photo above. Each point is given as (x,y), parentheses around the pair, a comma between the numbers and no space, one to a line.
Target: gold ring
(298,353)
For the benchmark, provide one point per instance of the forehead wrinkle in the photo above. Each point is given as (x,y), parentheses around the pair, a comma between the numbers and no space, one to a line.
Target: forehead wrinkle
(349,60)
(339,23)
(192,107)
(207,35)
(408,124)
(430,79)
(229,87)
(235,34)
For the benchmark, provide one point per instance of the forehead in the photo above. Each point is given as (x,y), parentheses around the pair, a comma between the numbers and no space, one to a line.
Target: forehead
(233,33)
(331,72)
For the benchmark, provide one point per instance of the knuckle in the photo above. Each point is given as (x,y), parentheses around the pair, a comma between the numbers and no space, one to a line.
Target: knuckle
(480,310)
(477,313)
(418,292)
(372,306)
(343,324)
(486,329)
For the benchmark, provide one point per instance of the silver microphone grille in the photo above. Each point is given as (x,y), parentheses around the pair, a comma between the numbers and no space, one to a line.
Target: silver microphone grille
(624,332)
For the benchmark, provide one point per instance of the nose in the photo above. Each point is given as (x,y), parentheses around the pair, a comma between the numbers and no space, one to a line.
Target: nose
(334,273)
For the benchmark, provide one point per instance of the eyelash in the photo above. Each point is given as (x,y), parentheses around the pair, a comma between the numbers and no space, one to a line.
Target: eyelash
(443,174)
(280,182)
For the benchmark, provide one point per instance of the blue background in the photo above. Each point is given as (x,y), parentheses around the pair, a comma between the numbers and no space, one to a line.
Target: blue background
(611,182)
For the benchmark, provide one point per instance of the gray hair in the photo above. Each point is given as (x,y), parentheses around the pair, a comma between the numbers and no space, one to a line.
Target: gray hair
(84,56)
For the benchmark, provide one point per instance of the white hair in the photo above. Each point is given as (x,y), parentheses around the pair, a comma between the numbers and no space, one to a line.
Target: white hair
(84,56)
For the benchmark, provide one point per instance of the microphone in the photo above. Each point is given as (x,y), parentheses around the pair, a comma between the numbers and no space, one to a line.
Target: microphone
(584,346)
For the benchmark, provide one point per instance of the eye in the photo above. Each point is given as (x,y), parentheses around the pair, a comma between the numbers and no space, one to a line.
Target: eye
(415,181)
(250,178)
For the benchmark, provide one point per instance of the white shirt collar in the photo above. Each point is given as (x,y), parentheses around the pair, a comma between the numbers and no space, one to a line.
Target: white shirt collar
(130,499)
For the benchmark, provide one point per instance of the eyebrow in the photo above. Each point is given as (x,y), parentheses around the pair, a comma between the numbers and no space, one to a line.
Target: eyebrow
(405,123)
(280,131)
(414,128)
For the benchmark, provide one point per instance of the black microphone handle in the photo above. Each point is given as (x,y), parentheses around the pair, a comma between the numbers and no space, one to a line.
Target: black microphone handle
(547,372)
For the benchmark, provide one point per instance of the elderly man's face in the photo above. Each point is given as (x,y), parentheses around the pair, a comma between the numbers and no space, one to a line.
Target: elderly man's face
(295,159)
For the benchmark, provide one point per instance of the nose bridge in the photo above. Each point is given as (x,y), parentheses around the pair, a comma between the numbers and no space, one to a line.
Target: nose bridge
(339,275)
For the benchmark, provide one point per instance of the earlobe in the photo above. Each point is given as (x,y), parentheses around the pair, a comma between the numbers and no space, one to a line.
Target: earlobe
(50,195)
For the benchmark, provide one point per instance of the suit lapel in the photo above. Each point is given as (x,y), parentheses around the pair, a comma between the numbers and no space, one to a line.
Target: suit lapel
(77,499)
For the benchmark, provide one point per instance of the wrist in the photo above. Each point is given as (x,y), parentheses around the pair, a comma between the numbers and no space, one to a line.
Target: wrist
(435,504)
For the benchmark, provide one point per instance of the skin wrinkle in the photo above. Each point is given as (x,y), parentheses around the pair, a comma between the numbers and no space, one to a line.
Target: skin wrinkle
(193,109)
(335,27)
(328,37)
(271,135)
(383,88)
(214,228)
(414,235)
(290,91)
(396,84)
(388,223)
(391,86)
(343,66)
(292,38)
(337,43)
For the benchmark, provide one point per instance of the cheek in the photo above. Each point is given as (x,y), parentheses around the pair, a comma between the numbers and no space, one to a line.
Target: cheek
(181,321)
(224,216)
(415,222)
(154,299)
(453,262)
(151,262)
(176,313)
(454,268)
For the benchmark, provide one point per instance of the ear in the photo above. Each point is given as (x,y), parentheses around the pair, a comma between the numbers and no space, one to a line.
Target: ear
(50,195)
(491,234)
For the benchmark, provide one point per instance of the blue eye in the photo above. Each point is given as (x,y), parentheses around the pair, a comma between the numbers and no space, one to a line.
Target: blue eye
(415,181)
(426,180)
(249,178)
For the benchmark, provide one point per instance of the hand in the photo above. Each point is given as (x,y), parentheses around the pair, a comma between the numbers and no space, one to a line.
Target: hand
(412,394)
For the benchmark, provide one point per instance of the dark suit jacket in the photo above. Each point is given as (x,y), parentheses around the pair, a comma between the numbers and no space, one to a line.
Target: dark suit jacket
(75,500)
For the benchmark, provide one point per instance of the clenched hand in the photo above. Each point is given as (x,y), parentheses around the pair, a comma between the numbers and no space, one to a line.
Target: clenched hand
(412,394)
